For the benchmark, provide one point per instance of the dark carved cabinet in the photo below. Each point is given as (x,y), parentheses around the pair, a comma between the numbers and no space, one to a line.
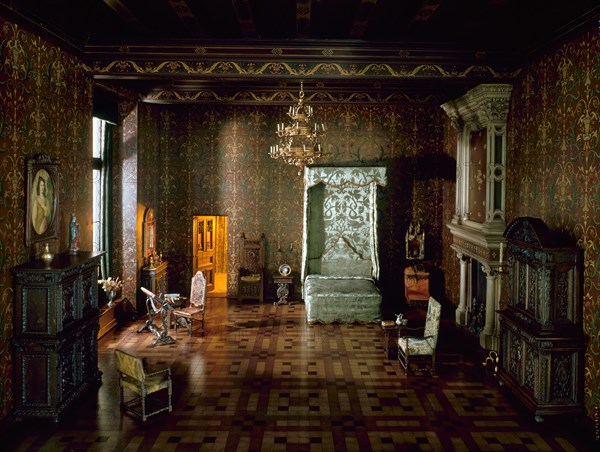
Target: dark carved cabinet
(55,330)
(541,335)
(154,278)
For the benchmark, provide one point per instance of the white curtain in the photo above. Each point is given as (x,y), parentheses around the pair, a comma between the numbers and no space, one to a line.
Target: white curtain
(340,214)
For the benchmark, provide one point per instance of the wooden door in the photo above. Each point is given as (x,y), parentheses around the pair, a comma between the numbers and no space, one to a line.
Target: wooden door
(204,228)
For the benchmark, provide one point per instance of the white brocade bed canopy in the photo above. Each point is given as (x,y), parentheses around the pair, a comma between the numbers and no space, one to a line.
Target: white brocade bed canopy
(340,243)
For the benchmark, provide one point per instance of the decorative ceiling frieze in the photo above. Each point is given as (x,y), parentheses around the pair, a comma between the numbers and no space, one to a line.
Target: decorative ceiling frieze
(199,49)
(207,68)
(363,73)
(360,74)
(253,97)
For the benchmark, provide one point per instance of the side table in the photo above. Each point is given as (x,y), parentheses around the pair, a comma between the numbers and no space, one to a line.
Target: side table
(388,326)
(283,289)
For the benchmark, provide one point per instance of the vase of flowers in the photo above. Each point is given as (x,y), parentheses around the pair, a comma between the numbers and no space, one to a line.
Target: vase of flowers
(110,286)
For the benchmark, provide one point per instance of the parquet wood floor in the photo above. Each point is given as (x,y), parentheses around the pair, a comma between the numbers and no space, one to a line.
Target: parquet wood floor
(263,380)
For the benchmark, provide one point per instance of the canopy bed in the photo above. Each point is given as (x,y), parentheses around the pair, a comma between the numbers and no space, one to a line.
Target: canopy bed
(340,262)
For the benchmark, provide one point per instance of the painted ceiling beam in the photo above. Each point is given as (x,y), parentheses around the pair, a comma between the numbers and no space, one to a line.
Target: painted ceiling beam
(361,20)
(303,15)
(125,14)
(186,16)
(243,13)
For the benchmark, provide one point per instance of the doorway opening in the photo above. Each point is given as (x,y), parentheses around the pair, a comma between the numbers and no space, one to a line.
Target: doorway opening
(209,252)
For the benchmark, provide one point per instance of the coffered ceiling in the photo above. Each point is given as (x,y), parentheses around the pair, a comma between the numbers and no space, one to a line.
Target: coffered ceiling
(343,50)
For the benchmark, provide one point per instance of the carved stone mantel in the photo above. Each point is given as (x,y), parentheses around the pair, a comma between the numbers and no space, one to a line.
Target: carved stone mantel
(473,247)
(480,242)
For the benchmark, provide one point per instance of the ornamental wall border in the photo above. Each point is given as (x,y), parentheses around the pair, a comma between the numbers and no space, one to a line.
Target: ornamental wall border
(221,68)
(255,97)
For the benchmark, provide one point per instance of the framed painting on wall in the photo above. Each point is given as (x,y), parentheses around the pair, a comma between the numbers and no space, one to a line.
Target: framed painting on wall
(149,233)
(41,214)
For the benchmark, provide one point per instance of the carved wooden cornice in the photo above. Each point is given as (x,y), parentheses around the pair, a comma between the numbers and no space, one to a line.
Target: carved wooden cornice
(177,71)
(484,104)
(257,97)
(208,67)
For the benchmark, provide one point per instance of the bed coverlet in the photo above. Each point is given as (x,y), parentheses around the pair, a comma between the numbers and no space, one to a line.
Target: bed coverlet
(341,299)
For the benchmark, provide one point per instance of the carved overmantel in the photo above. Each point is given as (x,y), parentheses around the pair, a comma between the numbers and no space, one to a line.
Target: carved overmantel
(478,224)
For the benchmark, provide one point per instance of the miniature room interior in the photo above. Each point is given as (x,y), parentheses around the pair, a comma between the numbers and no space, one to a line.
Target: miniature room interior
(308,225)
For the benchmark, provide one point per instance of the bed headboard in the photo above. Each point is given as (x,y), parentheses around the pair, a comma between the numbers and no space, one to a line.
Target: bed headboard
(340,221)
(342,259)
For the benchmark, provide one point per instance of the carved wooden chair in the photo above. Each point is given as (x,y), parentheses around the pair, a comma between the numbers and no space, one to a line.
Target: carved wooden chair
(420,346)
(134,377)
(251,284)
(195,311)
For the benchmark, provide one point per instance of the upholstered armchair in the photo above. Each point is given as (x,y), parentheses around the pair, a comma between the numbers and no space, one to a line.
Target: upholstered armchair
(134,377)
(251,284)
(421,346)
(195,311)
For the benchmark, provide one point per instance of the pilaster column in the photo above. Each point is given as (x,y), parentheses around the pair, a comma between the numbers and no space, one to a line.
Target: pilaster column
(489,336)
(461,310)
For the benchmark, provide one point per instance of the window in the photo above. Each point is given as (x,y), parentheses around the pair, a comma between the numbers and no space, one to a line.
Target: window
(102,133)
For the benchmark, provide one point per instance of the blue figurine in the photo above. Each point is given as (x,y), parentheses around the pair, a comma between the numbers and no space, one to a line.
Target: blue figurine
(73,235)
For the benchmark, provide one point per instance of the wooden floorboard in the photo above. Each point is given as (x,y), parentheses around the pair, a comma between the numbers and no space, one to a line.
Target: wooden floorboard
(263,380)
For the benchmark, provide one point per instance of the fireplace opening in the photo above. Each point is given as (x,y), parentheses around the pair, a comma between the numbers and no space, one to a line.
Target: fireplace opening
(478,300)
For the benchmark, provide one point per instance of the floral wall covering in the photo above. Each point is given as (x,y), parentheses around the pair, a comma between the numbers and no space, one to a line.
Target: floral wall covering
(46,106)
(450,263)
(214,161)
(477,176)
(554,166)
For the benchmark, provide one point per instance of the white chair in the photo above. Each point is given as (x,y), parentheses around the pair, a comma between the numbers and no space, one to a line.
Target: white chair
(134,377)
(195,311)
(412,346)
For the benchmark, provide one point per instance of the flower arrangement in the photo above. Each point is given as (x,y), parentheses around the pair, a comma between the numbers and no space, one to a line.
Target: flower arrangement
(109,284)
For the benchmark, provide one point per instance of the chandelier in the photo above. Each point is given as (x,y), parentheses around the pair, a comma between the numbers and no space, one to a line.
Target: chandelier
(299,140)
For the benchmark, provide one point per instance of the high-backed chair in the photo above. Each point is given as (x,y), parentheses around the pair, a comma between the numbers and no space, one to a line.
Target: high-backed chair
(195,311)
(251,284)
(134,377)
(413,346)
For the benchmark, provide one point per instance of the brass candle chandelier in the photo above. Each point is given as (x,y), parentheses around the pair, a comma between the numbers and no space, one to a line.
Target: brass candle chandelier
(299,141)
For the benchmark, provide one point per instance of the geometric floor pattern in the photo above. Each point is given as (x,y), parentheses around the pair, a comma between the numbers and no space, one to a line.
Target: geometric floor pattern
(261,379)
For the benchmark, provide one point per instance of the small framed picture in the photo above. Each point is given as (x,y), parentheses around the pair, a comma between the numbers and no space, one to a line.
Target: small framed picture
(41,217)
(149,233)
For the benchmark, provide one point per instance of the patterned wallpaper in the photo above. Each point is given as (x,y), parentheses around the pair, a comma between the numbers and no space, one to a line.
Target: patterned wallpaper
(450,263)
(477,175)
(554,166)
(214,161)
(46,106)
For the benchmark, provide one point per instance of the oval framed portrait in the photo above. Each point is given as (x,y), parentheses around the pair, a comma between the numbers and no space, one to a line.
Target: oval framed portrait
(41,222)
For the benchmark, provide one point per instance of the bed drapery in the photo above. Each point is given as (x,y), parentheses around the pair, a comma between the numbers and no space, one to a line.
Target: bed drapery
(340,241)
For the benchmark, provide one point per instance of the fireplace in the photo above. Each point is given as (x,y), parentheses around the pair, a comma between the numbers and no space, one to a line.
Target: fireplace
(480,287)
(476,308)
(478,224)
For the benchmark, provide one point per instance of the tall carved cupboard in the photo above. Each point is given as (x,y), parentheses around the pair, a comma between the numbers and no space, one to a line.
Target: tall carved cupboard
(541,335)
(55,333)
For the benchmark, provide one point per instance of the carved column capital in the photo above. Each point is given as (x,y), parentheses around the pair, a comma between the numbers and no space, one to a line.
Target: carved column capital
(463,258)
